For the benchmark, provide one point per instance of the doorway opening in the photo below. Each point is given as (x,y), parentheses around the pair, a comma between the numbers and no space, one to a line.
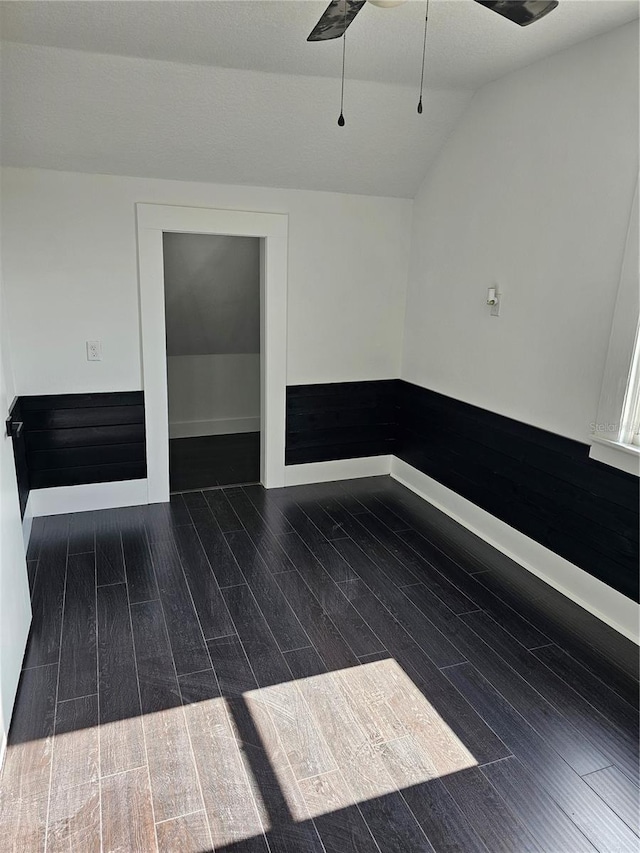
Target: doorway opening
(213,328)
(155,220)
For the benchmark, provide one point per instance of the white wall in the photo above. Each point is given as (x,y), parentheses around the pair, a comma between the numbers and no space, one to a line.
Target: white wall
(213,394)
(70,270)
(533,192)
(15,608)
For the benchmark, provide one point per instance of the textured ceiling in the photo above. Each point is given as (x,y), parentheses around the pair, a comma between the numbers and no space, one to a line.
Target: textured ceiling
(468,44)
(178,90)
(84,112)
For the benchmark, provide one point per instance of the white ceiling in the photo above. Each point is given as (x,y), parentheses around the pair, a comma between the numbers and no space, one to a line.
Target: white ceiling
(468,44)
(178,90)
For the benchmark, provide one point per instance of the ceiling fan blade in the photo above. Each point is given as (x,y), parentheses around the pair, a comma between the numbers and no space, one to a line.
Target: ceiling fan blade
(333,22)
(522,12)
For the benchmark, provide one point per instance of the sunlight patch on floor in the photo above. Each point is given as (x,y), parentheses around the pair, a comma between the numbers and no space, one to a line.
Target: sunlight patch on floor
(353,735)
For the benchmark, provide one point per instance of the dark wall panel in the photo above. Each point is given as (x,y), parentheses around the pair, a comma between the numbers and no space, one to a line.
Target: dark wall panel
(541,484)
(341,420)
(72,439)
(16,427)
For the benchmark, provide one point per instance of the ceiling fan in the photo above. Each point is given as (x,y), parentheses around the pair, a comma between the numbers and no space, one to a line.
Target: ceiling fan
(340,13)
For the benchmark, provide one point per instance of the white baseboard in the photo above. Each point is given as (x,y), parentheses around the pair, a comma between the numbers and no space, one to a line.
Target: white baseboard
(27,523)
(225,426)
(607,604)
(336,469)
(60,499)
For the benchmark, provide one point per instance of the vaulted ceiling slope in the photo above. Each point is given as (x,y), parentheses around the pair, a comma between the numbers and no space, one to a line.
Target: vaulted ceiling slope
(232,92)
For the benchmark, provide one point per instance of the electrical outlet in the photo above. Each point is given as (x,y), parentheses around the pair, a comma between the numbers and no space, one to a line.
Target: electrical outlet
(94,350)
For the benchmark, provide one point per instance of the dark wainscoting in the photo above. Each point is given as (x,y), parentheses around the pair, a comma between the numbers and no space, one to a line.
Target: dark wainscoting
(541,484)
(341,420)
(73,439)
(16,427)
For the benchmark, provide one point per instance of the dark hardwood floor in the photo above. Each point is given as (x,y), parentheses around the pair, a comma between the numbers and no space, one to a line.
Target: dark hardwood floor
(214,460)
(334,668)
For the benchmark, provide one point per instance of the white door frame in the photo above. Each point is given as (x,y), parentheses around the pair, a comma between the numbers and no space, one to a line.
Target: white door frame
(272,228)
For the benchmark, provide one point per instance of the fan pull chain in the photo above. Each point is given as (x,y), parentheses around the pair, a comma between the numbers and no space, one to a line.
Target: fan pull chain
(424,53)
(344,50)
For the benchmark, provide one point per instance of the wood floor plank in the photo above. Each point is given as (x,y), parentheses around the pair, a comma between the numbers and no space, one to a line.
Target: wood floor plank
(523,631)
(544,819)
(82,532)
(193,500)
(221,560)
(233,818)
(109,555)
(127,813)
(121,736)
(387,815)
(613,744)
(185,635)
(461,717)
(304,559)
(397,571)
(174,784)
(595,691)
(339,822)
(358,635)
(301,524)
(327,525)
(268,508)
(78,652)
(621,795)
(302,742)
(561,733)
(36,537)
(141,578)
(207,598)
(262,751)
(591,815)
(447,829)
(322,632)
(278,694)
(275,608)
(47,601)
(258,641)
(422,631)
(187,834)
(74,819)
(384,514)
(160,520)
(368,695)
(369,739)
(76,758)
(199,686)
(251,517)
(23,821)
(231,666)
(489,815)
(551,616)
(424,572)
(222,510)
(272,550)
(27,763)
(32,570)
